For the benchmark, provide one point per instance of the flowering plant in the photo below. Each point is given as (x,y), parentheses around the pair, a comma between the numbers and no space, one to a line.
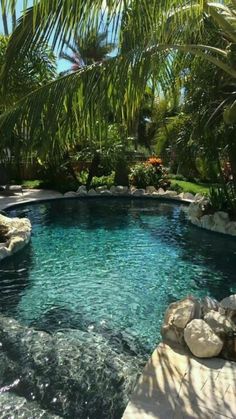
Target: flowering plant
(149,173)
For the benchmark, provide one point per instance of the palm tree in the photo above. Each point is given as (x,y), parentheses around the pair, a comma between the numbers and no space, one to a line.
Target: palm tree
(87,50)
(6,9)
(150,36)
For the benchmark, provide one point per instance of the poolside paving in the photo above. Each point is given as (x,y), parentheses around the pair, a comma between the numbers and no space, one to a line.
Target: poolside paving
(29,195)
(177,385)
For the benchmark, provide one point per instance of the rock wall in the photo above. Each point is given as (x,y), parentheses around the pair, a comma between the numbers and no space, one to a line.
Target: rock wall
(17,235)
(218,222)
(207,327)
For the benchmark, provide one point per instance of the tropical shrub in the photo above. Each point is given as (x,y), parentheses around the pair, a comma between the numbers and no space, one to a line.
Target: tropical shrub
(149,173)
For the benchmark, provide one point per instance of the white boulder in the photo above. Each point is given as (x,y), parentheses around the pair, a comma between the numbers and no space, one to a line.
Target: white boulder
(160,191)
(189,196)
(92,192)
(228,304)
(138,192)
(170,194)
(119,190)
(150,189)
(70,194)
(195,210)
(106,192)
(18,235)
(202,341)
(207,222)
(209,304)
(219,323)
(231,228)
(198,197)
(220,216)
(177,316)
(100,189)
(82,188)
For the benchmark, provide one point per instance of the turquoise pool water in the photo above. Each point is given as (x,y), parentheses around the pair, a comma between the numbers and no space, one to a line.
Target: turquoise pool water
(102,272)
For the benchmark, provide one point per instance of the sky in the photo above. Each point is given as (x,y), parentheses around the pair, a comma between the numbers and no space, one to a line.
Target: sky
(62,65)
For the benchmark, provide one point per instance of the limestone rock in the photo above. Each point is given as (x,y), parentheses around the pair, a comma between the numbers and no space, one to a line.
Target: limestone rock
(189,196)
(161,191)
(106,192)
(229,306)
(100,189)
(219,323)
(195,210)
(198,197)
(70,194)
(18,235)
(201,339)
(92,192)
(231,228)
(220,217)
(82,188)
(150,189)
(170,194)
(229,303)
(138,192)
(207,222)
(82,193)
(177,316)
(119,190)
(209,304)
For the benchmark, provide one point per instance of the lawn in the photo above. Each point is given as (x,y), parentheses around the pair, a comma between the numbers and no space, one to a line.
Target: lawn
(191,187)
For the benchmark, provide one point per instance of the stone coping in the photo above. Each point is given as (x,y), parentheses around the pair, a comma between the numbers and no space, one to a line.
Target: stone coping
(175,384)
(41,195)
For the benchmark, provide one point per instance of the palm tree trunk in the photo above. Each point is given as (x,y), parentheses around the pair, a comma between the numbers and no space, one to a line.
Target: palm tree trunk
(4,20)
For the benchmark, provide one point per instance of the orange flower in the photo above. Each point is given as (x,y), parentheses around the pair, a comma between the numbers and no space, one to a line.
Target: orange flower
(154,161)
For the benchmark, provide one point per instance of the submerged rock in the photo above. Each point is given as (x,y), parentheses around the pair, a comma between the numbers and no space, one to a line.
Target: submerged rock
(72,374)
(13,406)
(201,339)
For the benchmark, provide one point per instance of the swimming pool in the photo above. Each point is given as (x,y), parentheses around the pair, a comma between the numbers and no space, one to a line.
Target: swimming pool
(97,278)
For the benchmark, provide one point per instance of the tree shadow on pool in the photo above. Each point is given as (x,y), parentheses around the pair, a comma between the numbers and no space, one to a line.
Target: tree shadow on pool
(215,252)
(14,279)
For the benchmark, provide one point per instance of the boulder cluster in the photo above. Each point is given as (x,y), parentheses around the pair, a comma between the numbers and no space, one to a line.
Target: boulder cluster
(219,221)
(150,191)
(17,233)
(206,327)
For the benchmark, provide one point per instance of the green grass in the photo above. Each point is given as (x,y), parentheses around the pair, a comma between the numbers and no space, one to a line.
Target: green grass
(32,184)
(191,187)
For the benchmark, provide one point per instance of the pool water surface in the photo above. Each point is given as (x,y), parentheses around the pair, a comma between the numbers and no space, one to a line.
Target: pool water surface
(96,279)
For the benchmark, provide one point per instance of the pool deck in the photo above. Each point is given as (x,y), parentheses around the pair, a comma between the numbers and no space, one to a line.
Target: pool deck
(29,195)
(177,385)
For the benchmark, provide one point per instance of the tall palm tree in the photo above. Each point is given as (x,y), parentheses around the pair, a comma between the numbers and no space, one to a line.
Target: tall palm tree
(89,49)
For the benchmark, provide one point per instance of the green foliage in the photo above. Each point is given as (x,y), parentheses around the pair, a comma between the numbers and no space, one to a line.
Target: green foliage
(37,68)
(218,199)
(222,198)
(103,181)
(146,174)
